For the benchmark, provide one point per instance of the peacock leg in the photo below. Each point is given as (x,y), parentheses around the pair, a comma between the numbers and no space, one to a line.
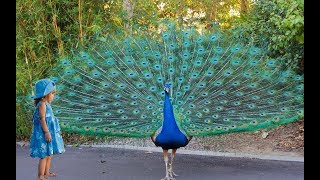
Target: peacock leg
(165,154)
(171,173)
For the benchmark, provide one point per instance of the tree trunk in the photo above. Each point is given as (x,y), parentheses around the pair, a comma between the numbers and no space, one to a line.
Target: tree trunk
(244,6)
(128,8)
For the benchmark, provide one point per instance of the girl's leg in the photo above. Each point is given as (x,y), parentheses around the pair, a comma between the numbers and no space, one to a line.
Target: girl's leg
(41,168)
(48,166)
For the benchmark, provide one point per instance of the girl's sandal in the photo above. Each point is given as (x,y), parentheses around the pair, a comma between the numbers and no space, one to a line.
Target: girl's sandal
(51,174)
(42,178)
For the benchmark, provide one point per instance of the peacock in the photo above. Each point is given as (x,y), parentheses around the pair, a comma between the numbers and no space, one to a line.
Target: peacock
(173,84)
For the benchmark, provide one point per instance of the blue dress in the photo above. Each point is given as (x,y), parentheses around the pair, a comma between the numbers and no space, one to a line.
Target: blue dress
(39,147)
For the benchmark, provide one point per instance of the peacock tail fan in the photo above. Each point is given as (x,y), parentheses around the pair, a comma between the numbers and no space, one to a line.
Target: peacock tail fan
(115,85)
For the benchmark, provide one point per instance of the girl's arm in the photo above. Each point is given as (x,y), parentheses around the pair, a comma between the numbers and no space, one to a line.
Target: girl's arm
(42,114)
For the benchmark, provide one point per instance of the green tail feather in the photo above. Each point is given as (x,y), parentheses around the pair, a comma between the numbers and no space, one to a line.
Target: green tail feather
(218,85)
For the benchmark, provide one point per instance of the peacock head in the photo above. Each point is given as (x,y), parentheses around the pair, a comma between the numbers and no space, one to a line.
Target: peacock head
(167,87)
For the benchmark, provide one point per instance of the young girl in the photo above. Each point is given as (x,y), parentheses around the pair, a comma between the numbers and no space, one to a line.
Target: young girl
(45,138)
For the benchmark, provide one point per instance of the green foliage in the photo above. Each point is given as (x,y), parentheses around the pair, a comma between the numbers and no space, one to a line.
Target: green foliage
(46,31)
(279,23)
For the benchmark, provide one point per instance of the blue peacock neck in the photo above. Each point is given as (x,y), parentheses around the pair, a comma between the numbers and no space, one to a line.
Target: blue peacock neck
(169,122)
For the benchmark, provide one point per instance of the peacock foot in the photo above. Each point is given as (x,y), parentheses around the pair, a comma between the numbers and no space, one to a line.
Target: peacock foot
(168,178)
(171,173)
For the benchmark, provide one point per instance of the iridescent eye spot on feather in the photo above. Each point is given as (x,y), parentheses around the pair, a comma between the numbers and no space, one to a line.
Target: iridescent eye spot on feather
(78,118)
(204,94)
(300,87)
(192,106)
(218,83)
(106,129)
(65,63)
(186,44)
(104,106)
(71,94)
(149,98)
(237,103)
(122,86)
(297,78)
(254,122)
(186,55)
(102,97)
(173,46)
(219,108)
(271,92)
(235,49)
(165,36)
(86,100)
(109,53)
(271,62)
(124,117)
(213,38)
(218,50)
(180,79)
(235,62)
(200,39)
(190,97)
(228,73)
(143,116)
(206,110)
(157,67)
(201,85)
(254,51)
(239,94)
(69,72)
(184,67)
(171,58)
(262,114)
(251,106)
(276,119)
(200,51)
(109,61)
(287,94)
(118,95)
(152,88)
(134,96)
(171,70)
(255,97)
(223,93)
(252,85)
(157,55)
(247,74)
(236,83)
(89,111)
(136,111)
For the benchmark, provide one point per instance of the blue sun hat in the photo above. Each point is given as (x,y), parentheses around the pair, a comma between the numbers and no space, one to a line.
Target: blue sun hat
(44,87)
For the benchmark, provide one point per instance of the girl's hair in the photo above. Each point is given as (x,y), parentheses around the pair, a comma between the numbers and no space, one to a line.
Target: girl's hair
(36,101)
